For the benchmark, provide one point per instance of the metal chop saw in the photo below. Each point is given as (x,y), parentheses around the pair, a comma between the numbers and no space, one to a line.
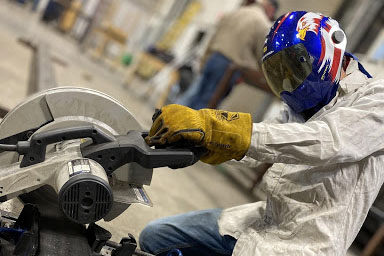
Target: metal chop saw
(74,156)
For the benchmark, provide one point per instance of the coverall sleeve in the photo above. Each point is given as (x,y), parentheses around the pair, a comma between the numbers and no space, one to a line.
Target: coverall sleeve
(251,162)
(347,134)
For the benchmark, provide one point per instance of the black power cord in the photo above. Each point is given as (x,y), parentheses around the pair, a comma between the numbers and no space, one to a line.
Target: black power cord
(21,147)
(8,147)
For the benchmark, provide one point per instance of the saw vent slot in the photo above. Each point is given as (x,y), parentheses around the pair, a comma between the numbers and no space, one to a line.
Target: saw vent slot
(102,202)
(71,202)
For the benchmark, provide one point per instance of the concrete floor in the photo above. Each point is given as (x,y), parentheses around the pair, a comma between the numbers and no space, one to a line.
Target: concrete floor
(172,191)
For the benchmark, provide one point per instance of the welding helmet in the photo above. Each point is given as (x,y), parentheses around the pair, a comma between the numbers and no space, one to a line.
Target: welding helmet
(302,60)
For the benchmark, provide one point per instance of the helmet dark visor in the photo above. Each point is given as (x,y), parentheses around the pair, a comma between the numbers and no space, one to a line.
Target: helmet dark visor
(287,69)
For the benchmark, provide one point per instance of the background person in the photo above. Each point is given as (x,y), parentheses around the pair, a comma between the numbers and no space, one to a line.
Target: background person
(238,41)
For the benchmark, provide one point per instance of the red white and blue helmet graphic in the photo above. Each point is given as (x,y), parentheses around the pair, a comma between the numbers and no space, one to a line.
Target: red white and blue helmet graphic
(302,59)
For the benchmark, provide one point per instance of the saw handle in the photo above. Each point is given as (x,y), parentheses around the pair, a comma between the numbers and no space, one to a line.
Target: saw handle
(34,150)
(133,148)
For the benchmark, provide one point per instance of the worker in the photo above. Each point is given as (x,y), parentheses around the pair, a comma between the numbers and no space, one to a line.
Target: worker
(237,41)
(326,150)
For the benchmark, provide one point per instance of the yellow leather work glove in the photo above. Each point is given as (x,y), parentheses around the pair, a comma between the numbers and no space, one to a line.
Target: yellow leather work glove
(226,135)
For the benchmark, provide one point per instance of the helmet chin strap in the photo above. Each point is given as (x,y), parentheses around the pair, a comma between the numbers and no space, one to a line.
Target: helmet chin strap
(361,68)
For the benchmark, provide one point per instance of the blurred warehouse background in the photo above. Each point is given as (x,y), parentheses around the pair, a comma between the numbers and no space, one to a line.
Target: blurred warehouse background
(146,53)
(155,43)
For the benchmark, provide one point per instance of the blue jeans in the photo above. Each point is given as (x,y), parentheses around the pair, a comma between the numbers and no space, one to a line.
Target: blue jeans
(186,98)
(200,92)
(193,233)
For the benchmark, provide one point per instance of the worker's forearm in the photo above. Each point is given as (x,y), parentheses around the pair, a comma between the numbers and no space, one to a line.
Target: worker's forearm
(293,143)
(338,137)
(255,78)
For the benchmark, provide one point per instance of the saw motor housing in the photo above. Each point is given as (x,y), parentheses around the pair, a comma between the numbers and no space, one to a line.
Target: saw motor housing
(84,193)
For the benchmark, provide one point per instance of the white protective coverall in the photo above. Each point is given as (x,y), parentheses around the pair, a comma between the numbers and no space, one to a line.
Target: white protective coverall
(327,173)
